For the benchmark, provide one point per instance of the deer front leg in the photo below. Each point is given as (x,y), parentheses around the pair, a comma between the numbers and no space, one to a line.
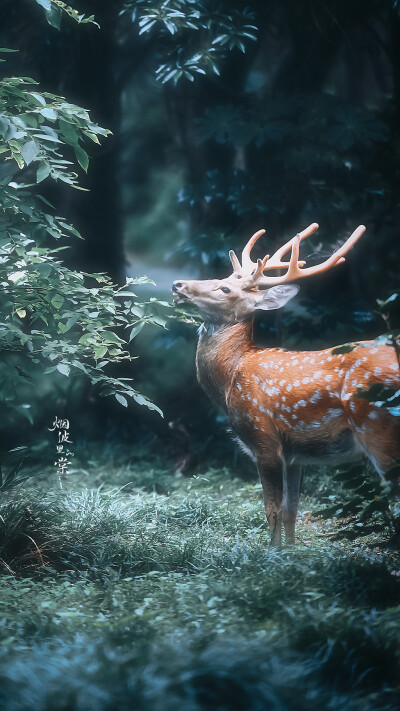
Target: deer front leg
(290,501)
(271,476)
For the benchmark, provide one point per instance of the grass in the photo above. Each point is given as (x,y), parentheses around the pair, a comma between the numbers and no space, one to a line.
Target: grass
(123,597)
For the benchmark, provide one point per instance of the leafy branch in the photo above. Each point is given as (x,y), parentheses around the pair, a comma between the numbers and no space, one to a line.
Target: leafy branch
(59,319)
(202,35)
(54,10)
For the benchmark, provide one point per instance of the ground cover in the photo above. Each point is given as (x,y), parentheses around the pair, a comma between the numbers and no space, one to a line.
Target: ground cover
(134,587)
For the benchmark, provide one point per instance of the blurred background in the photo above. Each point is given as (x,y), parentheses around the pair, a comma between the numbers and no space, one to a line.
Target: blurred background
(302,126)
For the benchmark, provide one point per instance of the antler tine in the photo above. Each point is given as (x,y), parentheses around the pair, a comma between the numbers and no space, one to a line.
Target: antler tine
(235,262)
(337,257)
(247,263)
(275,260)
(294,271)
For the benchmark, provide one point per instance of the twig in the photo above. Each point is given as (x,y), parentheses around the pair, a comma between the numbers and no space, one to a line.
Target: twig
(37,548)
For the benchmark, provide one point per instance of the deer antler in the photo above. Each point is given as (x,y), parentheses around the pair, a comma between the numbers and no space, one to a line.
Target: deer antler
(254,271)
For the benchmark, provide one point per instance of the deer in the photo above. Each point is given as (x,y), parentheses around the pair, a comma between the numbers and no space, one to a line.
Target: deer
(289,408)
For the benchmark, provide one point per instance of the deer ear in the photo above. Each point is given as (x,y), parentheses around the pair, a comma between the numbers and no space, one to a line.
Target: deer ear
(277,296)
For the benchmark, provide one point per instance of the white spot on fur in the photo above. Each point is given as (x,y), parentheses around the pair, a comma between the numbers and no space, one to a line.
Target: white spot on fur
(377,371)
(238,385)
(281,417)
(288,388)
(328,378)
(317,396)
(332,414)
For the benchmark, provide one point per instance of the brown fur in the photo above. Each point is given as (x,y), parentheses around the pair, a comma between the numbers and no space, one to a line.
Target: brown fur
(289,408)
(294,406)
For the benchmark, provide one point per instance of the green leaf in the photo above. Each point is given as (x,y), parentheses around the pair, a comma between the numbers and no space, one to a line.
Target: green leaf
(110,337)
(121,399)
(18,160)
(64,369)
(53,16)
(29,151)
(82,157)
(346,348)
(42,172)
(49,114)
(57,301)
(46,4)
(39,98)
(135,330)
(100,351)
(72,321)
(141,400)
(16,276)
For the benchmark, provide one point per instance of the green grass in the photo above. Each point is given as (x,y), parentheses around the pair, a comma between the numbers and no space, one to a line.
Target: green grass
(121,598)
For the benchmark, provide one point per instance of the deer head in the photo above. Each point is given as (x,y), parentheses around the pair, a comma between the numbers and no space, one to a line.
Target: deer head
(249,288)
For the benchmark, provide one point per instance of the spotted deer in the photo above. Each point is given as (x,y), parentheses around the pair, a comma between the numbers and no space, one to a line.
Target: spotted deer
(288,408)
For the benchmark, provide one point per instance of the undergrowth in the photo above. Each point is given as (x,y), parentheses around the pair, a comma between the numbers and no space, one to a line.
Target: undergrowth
(162,596)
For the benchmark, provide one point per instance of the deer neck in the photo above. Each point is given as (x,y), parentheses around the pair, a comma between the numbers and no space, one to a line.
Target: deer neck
(220,352)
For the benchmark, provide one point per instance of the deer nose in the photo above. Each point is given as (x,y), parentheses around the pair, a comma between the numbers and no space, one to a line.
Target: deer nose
(177,285)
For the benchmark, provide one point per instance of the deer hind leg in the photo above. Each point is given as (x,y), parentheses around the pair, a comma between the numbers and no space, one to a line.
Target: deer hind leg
(290,502)
(271,476)
(379,438)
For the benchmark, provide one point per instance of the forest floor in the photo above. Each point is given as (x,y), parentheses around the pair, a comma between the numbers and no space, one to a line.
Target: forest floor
(137,588)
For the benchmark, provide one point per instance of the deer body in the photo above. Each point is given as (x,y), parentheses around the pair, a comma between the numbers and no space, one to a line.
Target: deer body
(290,408)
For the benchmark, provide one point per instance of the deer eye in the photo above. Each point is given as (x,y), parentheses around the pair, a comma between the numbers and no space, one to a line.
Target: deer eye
(225,290)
